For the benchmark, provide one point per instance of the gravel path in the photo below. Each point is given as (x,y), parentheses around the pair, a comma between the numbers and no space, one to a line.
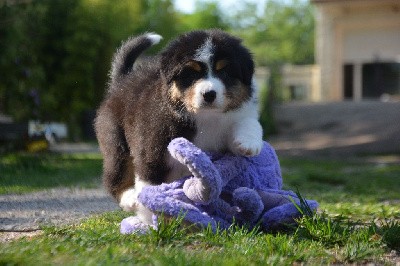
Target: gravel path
(28,212)
(23,215)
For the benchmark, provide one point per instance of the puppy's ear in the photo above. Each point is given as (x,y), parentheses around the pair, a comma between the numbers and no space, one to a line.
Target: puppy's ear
(247,67)
(167,67)
(245,60)
(171,59)
(171,64)
(243,64)
(232,47)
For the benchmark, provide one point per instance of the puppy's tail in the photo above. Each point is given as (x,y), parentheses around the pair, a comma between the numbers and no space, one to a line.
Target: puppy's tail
(129,51)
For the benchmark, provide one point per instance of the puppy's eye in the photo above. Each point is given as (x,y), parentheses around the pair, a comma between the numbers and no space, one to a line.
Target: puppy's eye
(194,65)
(191,72)
(221,64)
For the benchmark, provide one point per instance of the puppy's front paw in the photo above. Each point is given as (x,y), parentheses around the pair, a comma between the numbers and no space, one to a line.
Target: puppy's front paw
(129,201)
(247,147)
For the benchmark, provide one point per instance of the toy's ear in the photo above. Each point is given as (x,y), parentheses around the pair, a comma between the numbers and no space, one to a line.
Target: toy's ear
(205,184)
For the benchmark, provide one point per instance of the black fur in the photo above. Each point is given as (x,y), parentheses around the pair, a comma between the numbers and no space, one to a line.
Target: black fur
(126,56)
(137,118)
(227,47)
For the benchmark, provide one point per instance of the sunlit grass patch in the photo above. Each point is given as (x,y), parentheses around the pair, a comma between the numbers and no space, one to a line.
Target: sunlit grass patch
(343,182)
(25,172)
(363,210)
(319,239)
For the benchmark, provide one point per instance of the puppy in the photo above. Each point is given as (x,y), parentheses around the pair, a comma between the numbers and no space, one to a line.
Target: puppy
(199,87)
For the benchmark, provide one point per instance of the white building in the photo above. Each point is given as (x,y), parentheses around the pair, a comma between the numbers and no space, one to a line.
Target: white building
(358,48)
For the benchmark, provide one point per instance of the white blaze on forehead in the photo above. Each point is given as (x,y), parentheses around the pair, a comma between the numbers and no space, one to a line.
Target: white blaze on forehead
(204,53)
(210,82)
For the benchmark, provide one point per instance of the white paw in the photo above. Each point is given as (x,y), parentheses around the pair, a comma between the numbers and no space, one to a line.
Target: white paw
(129,200)
(247,147)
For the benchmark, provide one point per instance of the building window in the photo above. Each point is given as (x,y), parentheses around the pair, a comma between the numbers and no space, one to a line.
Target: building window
(380,78)
(348,79)
(298,92)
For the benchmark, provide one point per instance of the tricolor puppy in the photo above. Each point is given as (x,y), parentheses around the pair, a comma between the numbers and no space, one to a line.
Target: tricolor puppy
(200,87)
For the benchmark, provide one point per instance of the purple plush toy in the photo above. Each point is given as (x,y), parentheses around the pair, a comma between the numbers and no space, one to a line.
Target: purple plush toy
(222,189)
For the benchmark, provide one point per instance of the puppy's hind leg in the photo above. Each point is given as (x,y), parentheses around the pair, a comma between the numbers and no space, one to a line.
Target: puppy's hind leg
(118,176)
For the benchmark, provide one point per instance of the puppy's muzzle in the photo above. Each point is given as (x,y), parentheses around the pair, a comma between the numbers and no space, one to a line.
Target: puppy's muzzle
(209,96)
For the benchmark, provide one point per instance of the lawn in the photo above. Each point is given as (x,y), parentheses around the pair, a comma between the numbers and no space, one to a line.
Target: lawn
(353,188)
(358,222)
(26,172)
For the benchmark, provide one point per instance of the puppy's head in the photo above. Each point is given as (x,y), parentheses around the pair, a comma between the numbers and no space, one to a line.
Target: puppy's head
(207,70)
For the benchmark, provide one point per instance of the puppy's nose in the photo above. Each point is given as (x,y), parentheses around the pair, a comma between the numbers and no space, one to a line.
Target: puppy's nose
(209,96)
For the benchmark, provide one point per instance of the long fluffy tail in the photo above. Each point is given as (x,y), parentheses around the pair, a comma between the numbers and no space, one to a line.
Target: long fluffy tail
(129,51)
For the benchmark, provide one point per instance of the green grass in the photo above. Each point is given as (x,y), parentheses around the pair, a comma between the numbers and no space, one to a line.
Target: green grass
(358,222)
(355,189)
(319,239)
(26,172)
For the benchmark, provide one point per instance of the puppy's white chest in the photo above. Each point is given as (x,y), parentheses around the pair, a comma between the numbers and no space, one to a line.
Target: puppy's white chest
(211,135)
(212,131)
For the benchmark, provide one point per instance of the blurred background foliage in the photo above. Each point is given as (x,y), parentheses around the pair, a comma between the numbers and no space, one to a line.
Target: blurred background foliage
(55,54)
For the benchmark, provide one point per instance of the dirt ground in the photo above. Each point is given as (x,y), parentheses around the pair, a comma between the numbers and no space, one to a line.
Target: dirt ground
(337,129)
(24,215)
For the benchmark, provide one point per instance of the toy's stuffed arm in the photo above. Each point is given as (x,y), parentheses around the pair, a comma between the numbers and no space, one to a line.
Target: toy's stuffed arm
(206,183)
(208,177)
